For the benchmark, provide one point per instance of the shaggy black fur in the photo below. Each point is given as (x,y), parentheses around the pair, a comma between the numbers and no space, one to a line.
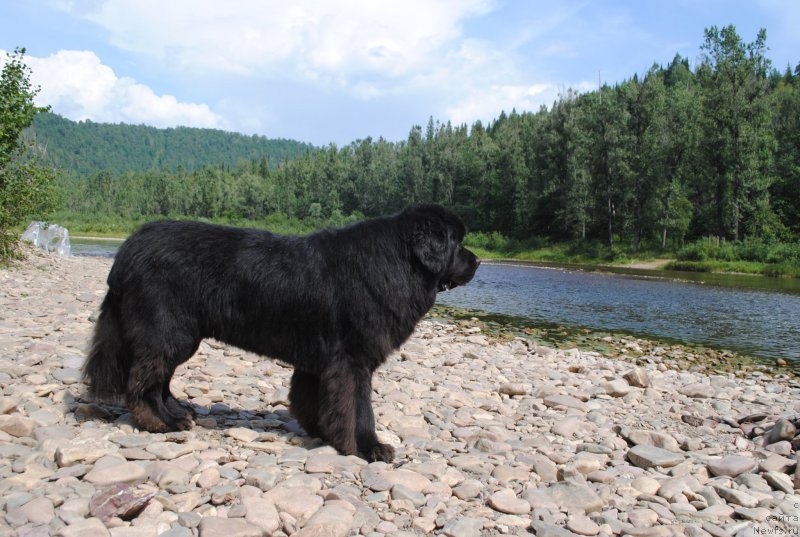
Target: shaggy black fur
(334,304)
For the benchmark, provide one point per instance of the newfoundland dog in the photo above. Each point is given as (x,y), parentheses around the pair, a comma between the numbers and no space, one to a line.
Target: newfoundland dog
(333,304)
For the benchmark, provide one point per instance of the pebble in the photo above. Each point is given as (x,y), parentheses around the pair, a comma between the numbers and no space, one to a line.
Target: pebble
(126,472)
(646,456)
(214,526)
(494,435)
(732,465)
(582,525)
(17,425)
(506,501)
(782,430)
(638,377)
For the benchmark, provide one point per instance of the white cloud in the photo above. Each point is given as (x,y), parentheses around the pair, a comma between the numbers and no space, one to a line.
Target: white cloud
(486,103)
(368,50)
(79,86)
(313,39)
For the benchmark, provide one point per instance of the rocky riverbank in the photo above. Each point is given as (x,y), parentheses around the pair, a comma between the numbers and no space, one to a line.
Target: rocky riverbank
(495,436)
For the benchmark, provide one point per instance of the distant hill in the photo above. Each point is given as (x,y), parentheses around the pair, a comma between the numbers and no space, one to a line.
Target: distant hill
(86,147)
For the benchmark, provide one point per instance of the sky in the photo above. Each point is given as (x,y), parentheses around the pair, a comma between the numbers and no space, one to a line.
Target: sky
(324,71)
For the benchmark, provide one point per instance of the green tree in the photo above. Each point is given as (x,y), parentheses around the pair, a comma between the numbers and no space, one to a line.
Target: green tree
(26,187)
(786,190)
(737,130)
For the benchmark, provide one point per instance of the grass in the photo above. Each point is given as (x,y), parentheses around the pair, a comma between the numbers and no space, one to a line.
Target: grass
(113,226)
(703,255)
(740,267)
(495,246)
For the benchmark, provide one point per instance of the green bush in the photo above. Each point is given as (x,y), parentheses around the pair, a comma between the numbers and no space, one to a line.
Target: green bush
(492,241)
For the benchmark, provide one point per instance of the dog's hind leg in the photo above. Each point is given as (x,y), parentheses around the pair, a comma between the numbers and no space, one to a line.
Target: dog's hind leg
(181,413)
(304,401)
(153,406)
(144,396)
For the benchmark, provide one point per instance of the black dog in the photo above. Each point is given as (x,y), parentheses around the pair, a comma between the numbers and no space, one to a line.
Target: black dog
(334,304)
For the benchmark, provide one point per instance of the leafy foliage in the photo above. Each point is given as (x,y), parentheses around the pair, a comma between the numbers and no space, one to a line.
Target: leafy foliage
(26,186)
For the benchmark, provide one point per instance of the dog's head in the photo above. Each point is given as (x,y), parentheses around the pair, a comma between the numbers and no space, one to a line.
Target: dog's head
(436,242)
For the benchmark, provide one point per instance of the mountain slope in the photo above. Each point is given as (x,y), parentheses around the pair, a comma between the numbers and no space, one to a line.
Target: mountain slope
(85,147)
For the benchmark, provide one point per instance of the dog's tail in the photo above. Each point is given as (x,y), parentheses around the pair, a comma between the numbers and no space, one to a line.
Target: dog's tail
(107,367)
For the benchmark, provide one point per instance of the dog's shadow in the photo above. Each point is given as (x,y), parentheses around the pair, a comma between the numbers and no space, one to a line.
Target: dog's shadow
(271,425)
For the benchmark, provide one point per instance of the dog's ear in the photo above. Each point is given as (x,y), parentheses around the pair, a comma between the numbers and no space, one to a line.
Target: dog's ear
(430,245)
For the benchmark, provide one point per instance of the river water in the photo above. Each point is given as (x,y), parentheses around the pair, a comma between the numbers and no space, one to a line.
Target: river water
(753,315)
(762,319)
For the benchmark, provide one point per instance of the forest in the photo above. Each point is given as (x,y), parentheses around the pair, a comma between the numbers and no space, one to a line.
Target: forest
(677,154)
(85,147)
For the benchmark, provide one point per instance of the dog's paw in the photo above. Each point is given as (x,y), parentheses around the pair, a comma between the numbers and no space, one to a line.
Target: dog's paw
(183,424)
(380,452)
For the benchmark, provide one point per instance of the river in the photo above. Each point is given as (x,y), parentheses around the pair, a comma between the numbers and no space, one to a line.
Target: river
(752,315)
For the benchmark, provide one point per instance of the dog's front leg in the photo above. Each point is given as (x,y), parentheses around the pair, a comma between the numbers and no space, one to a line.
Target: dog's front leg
(366,439)
(337,406)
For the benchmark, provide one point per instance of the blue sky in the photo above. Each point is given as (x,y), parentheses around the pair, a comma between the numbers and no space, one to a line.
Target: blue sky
(321,71)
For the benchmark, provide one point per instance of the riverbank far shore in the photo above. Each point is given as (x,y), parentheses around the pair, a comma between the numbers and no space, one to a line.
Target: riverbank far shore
(494,436)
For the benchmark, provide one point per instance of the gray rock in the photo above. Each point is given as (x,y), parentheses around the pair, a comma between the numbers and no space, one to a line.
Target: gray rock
(697,390)
(731,466)
(737,497)
(169,450)
(408,478)
(542,529)
(652,438)
(213,526)
(67,376)
(616,388)
(467,490)
(759,514)
(334,519)
(84,450)
(177,531)
(645,457)
(779,481)
(401,492)
(782,430)
(463,527)
(506,501)
(262,513)
(582,525)
(166,474)
(566,401)
(566,496)
(263,479)
(242,434)
(670,488)
(8,404)
(36,511)
(295,501)
(330,463)
(90,527)
(17,425)
(46,417)
(637,377)
(127,472)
